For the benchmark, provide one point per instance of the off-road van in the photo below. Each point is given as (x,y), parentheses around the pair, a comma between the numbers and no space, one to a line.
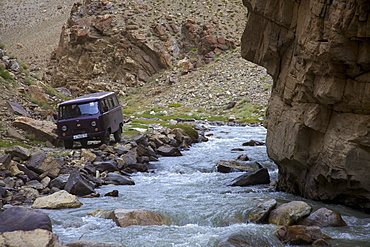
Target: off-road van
(90,117)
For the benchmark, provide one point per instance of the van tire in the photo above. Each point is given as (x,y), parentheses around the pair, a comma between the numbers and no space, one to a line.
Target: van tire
(68,144)
(118,134)
(84,143)
(105,139)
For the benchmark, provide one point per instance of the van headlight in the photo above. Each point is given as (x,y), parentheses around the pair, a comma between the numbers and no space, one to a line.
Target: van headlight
(64,128)
(93,123)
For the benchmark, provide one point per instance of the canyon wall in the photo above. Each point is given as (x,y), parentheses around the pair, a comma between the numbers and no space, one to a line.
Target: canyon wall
(318,118)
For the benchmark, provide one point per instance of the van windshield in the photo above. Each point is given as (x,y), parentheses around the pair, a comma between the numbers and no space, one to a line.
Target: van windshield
(76,110)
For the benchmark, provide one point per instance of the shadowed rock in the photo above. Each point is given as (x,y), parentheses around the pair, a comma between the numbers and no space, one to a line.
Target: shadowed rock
(302,235)
(25,219)
(260,176)
(259,213)
(78,184)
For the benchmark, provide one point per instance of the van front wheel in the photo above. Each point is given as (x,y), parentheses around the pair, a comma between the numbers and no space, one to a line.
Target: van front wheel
(118,134)
(68,144)
(106,137)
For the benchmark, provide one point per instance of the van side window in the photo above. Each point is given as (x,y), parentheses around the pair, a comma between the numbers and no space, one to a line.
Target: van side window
(115,100)
(104,105)
(110,103)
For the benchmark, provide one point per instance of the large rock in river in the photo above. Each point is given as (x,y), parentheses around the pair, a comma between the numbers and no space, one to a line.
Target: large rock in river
(289,213)
(129,217)
(260,176)
(318,53)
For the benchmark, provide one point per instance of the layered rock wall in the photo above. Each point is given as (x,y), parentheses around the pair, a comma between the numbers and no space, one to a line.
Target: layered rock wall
(318,119)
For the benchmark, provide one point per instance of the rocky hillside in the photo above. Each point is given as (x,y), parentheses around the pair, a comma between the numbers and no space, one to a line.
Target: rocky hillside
(182,58)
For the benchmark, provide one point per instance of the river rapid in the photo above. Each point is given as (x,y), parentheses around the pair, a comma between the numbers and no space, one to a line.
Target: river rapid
(202,209)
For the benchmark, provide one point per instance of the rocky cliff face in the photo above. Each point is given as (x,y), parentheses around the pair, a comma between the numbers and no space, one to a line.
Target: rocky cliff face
(108,45)
(318,119)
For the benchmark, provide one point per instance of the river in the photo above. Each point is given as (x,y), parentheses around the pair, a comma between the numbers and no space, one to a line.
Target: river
(202,209)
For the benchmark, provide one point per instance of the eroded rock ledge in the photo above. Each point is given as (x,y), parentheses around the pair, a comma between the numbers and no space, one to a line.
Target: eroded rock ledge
(318,53)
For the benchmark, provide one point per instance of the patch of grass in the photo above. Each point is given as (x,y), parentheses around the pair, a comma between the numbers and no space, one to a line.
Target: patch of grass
(28,81)
(2,46)
(5,74)
(174,105)
(7,144)
(43,105)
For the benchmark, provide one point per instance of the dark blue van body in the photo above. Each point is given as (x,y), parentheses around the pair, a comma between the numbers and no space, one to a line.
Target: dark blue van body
(90,117)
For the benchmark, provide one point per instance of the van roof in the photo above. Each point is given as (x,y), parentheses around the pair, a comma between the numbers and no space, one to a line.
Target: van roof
(87,98)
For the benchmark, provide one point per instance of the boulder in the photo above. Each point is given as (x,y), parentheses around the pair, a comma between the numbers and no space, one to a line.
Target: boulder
(249,240)
(18,151)
(41,163)
(253,143)
(5,161)
(127,159)
(34,238)
(81,243)
(145,150)
(23,219)
(289,213)
(18,109)
(141,217)
(58,200)
(117,179)
(259,213)
(30,174)
(40,130)
(113,193)
(301,235)
(88,155)
(26,195)
(323,217)
(12,132)
(107,166)
(59,182)
(260,176)
(168,151)
(77,184)
(226,166)
(243,157)
(101,213)
(320,66)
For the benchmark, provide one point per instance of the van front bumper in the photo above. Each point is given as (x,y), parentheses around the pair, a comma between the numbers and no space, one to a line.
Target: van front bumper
(77,137)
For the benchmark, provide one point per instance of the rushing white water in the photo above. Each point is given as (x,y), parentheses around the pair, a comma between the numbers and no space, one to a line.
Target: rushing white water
(202,209)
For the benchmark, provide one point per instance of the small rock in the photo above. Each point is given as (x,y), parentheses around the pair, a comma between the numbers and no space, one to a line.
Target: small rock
(18,151)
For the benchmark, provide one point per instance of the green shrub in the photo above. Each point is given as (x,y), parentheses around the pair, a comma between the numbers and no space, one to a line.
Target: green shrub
(5,74)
